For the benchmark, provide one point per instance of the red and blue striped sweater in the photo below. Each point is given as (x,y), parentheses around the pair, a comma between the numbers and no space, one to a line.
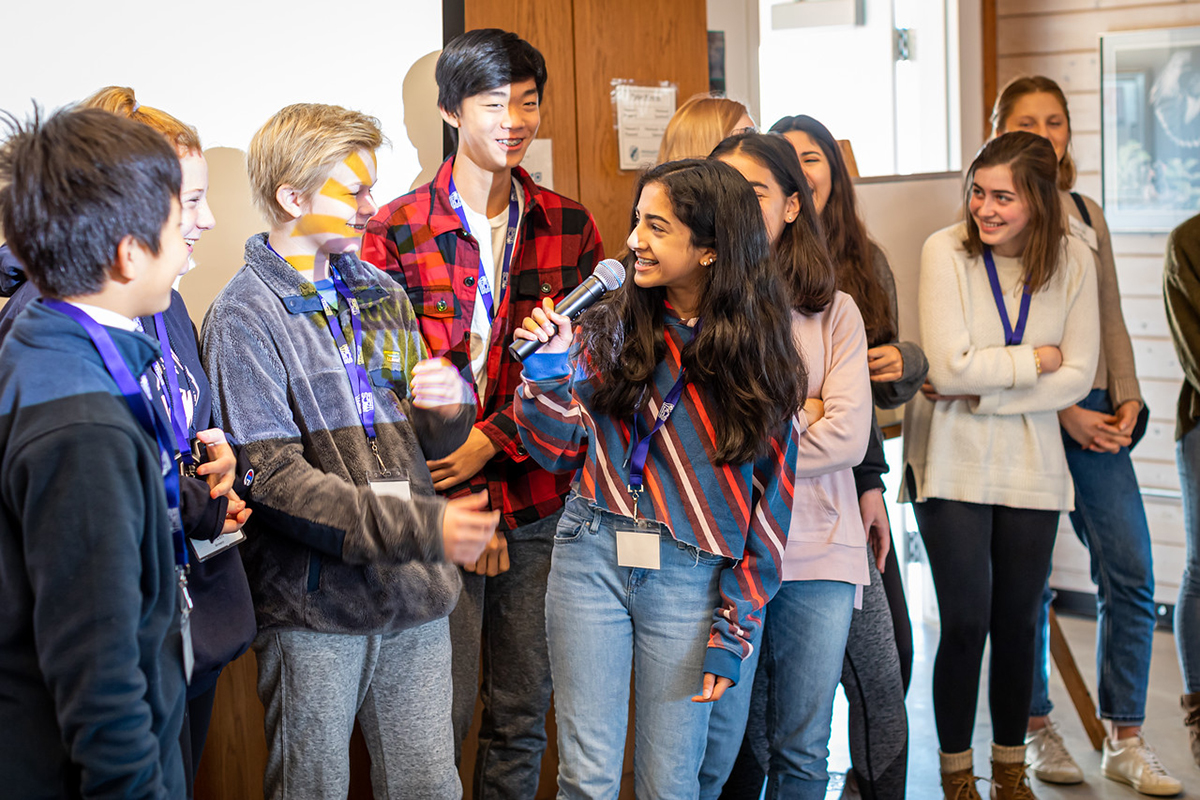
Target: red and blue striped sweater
(741,511)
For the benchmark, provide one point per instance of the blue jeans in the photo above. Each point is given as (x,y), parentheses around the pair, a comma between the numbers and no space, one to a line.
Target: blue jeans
(601,619)
(1111,522)
(803,647)
(1187,608)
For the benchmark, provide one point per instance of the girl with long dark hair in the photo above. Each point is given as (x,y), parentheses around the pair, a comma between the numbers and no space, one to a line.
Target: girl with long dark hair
(1008,313)
(672,404)
(879,649)
(825,562)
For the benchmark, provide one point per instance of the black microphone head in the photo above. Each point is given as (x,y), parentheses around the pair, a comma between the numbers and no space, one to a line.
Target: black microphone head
(611,273)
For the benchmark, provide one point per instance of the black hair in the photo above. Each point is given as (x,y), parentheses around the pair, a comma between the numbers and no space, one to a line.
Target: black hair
(800,252)
(485,59)
(74,186)
(743,355)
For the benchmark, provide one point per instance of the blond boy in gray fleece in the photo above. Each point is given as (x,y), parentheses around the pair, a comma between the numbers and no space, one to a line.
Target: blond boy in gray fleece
(320,372)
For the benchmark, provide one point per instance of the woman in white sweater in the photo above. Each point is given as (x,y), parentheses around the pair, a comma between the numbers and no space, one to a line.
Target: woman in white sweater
(1009,322)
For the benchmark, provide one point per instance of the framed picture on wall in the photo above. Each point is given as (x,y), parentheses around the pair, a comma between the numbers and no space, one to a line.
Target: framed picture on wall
(1150,131)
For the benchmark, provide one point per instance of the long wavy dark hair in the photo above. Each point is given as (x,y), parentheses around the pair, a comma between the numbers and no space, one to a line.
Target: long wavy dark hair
(846,236)
(800,252)
(743,356)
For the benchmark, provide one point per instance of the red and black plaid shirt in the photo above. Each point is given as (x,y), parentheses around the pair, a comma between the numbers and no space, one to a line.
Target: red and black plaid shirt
(420,241)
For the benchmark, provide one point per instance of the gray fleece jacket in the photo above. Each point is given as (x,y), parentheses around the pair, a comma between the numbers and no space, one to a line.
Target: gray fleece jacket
(324,552)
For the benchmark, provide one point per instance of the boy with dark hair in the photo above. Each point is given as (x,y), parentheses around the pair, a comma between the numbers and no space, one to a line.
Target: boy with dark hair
(477,249)
(92,650)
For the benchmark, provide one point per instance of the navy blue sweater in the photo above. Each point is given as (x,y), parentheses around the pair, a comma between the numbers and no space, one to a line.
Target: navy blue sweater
(223,619)
(91,681)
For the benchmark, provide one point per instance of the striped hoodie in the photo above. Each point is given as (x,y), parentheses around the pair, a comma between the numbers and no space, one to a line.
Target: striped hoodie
(739,511)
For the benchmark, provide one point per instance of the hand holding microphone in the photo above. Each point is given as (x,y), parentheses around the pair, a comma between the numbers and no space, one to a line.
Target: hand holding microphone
(545,329)
(549,327)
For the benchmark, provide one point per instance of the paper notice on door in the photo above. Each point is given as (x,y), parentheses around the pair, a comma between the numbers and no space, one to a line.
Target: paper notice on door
(642,115)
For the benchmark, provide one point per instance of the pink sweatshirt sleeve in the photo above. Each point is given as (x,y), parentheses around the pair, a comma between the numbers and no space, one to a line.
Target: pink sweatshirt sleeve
(839,439)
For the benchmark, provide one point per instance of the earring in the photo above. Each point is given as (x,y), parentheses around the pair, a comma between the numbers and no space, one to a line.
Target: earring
(708,263)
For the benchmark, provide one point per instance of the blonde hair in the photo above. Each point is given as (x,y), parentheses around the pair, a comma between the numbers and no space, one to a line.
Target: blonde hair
(299,146)
(698,126)
(1017,88)
(121,101)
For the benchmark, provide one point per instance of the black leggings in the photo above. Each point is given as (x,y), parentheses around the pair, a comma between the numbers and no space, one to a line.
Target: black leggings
(989,564)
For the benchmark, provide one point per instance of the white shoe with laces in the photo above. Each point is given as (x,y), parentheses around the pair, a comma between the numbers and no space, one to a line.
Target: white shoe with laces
(1048,756)
(1134,762)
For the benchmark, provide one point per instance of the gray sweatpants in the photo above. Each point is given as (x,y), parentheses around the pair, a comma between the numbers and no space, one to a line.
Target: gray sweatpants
(313,685)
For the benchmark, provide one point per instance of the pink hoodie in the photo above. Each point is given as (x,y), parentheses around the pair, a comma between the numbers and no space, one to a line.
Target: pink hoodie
(826,540)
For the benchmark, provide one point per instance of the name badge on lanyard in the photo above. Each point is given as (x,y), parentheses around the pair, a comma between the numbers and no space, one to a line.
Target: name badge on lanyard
(484,281)
(139,404)
(1012,335)
(1086,232)
(638,547)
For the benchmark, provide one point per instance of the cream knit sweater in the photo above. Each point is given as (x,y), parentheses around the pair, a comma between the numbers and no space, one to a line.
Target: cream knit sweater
(1006,448)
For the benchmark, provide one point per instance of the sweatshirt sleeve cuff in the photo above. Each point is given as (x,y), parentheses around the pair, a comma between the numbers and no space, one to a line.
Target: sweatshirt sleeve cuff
(547,366)
(1025,373)
(723,663)
(986,404)
(1123,390)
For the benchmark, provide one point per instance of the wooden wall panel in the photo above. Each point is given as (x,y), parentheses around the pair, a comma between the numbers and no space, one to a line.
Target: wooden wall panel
(650,44)
(1055,33)
(548,27)
(1061,39)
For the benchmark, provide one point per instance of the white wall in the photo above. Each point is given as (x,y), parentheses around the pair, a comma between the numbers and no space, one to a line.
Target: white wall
(225,67)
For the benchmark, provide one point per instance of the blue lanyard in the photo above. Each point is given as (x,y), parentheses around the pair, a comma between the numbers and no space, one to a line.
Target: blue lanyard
(510,240)
(174,397)
(352,362)
(639,448)
(128,385)
(1011,336)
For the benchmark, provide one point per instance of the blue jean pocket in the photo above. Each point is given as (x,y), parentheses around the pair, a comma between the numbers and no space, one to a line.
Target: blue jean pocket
(575,517)
(703,558)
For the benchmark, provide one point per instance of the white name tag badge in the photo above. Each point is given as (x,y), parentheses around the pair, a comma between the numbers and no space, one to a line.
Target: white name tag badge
(638,548)
(205,550)
(388,485)
(1087,233)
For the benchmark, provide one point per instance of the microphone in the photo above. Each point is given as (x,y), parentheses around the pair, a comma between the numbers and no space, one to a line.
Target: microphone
(608,276)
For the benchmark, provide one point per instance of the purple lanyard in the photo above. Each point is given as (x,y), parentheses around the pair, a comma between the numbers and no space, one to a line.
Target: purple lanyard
(360,382)
(179,421)
(639,448)
(510,240)
(1011,336)
(128,385)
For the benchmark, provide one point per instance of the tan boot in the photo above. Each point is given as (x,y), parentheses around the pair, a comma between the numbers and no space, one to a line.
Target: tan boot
(1191,718)
(958,776)
(1009,782)
(960,785)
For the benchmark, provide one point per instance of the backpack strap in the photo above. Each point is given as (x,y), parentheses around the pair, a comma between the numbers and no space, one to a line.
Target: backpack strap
(1083,212)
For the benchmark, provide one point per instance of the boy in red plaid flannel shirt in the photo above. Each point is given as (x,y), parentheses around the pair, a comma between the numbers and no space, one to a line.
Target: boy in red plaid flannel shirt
(477,249)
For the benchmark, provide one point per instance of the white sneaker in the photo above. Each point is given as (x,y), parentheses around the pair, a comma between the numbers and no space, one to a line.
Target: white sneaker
(1048,756)
(1135,763)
